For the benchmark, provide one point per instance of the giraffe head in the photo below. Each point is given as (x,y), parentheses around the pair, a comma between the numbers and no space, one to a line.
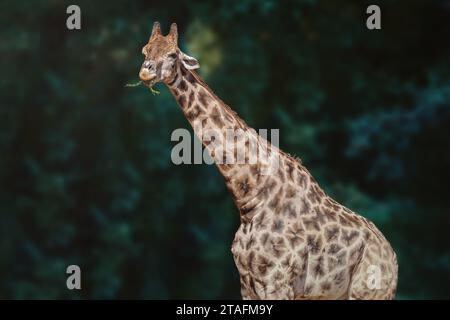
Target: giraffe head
(162,57)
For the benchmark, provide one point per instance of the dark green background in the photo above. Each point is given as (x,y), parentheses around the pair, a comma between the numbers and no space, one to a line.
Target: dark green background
(85,170)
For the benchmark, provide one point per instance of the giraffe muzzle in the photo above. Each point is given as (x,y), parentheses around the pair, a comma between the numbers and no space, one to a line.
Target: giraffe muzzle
(146,76)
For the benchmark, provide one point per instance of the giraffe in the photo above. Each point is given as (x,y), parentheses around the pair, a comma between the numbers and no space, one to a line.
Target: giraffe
(294,241)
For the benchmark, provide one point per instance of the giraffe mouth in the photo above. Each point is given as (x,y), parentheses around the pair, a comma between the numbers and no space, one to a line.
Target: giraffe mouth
(149,83)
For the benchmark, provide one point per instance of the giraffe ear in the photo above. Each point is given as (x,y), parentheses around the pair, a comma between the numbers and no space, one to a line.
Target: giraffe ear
(188,62)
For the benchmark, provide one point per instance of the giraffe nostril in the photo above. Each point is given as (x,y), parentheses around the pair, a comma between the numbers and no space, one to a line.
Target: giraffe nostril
(147,64)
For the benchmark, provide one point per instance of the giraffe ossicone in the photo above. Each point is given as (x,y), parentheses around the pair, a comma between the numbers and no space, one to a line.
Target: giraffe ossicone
(294,241)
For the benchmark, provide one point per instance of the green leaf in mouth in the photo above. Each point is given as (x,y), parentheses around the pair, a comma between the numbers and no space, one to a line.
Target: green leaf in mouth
(133,84)
(153,91)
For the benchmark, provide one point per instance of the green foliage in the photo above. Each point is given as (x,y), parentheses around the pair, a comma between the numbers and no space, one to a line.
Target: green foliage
(137,84)
(85,170)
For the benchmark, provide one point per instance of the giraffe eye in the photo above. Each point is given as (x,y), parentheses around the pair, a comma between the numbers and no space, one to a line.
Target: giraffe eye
(172,55)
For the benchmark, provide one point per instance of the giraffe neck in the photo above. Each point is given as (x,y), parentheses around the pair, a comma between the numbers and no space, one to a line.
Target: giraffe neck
(244,159)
